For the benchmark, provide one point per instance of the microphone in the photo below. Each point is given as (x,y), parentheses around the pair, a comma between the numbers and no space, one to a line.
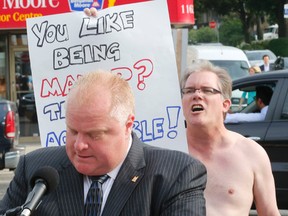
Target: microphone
(43,181)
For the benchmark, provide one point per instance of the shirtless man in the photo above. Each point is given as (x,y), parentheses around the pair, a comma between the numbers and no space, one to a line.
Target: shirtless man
(239,170)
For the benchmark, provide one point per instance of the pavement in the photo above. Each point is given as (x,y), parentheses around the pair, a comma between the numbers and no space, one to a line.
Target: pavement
(30,146)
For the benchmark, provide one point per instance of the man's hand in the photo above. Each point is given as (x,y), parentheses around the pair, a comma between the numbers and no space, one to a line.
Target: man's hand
(90,11)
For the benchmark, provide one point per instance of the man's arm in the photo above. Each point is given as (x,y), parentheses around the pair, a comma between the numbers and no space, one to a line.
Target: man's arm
(264,186)
(244,117)
(186,196)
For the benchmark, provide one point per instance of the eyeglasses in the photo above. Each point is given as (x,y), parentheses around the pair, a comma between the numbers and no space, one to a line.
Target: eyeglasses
(204,90)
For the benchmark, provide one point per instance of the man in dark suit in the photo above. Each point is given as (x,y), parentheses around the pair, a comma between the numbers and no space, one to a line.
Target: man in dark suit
(266,64)
(142,180)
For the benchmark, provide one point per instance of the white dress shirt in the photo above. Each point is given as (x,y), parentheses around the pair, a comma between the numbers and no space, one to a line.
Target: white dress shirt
(107,185)
(246,117)
(267,67)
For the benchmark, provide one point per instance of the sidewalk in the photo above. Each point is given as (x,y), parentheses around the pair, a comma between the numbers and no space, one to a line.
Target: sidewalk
(28,147)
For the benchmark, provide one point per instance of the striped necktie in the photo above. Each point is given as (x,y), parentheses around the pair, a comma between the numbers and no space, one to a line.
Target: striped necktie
(95,196)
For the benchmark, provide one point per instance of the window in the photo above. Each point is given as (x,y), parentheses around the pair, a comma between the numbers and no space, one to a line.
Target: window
(284,113)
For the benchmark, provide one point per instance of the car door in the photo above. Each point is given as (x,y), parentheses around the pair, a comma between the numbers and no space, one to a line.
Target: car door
(278,130)
(276,145)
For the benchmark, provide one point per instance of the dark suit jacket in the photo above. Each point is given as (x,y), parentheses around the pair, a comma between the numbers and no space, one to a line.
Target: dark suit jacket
(169,183)
(271,67)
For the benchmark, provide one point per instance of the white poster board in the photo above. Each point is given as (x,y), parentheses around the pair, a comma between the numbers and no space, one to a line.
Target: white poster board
(133,40)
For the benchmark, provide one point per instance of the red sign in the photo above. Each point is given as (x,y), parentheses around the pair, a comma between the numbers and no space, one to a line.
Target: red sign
(212,24)
(181,12)
(14,12)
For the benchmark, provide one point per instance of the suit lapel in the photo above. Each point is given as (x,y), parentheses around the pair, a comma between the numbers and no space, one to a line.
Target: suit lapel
(70,194)
(127,179)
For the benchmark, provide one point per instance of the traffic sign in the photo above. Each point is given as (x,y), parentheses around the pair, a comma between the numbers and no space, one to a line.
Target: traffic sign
(212,24)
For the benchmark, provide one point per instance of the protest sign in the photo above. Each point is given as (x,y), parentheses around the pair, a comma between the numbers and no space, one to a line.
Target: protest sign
(132,40)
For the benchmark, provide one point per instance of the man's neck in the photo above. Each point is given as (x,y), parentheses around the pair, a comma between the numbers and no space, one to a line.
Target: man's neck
(204,137)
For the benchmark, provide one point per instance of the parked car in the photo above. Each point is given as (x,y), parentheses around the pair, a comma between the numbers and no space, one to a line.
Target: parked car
(255,57)
(231,58)
(272,132)
(27,107)
(9,135)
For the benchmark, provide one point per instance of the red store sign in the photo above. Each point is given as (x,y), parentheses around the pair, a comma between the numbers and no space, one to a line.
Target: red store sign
(13,13)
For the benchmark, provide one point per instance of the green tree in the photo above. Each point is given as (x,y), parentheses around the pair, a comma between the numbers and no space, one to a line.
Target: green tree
(202,35)
(230,31)
(249,12)
(275,10)
(229,7)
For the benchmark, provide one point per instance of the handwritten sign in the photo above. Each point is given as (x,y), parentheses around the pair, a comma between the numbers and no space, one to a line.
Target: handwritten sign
(132,40)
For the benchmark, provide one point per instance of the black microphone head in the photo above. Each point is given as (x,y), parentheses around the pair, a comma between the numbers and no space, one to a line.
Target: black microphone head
(49,175)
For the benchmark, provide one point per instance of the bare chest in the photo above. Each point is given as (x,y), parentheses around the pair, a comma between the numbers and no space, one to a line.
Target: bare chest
(230,182)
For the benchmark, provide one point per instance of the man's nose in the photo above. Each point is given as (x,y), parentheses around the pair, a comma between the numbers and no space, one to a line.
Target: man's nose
(197,93)
(80,143)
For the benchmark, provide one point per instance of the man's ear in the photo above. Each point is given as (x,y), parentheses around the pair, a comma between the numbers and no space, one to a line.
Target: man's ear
(226,105)
(129,122)
(259,100)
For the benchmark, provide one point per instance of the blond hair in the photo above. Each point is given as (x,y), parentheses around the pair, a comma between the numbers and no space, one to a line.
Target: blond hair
(122,98)
(256,69)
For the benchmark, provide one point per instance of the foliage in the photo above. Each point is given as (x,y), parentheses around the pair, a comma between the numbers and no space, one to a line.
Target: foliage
(250,12)
(255,45)
(232,8)
(192,36)
(279,46)
(230,32)
(202,35)
(270,8)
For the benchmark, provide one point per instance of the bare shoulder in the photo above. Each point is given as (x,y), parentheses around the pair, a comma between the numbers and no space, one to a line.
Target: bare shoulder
(247,146)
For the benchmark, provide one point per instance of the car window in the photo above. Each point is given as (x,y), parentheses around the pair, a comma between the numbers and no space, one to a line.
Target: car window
(247,93)
(241,98)
(284,113)
(236,69)
(258,55)
(285,63)
(3,110)
(254,56)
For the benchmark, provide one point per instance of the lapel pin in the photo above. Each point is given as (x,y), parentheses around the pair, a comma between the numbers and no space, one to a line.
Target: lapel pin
(135,178)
